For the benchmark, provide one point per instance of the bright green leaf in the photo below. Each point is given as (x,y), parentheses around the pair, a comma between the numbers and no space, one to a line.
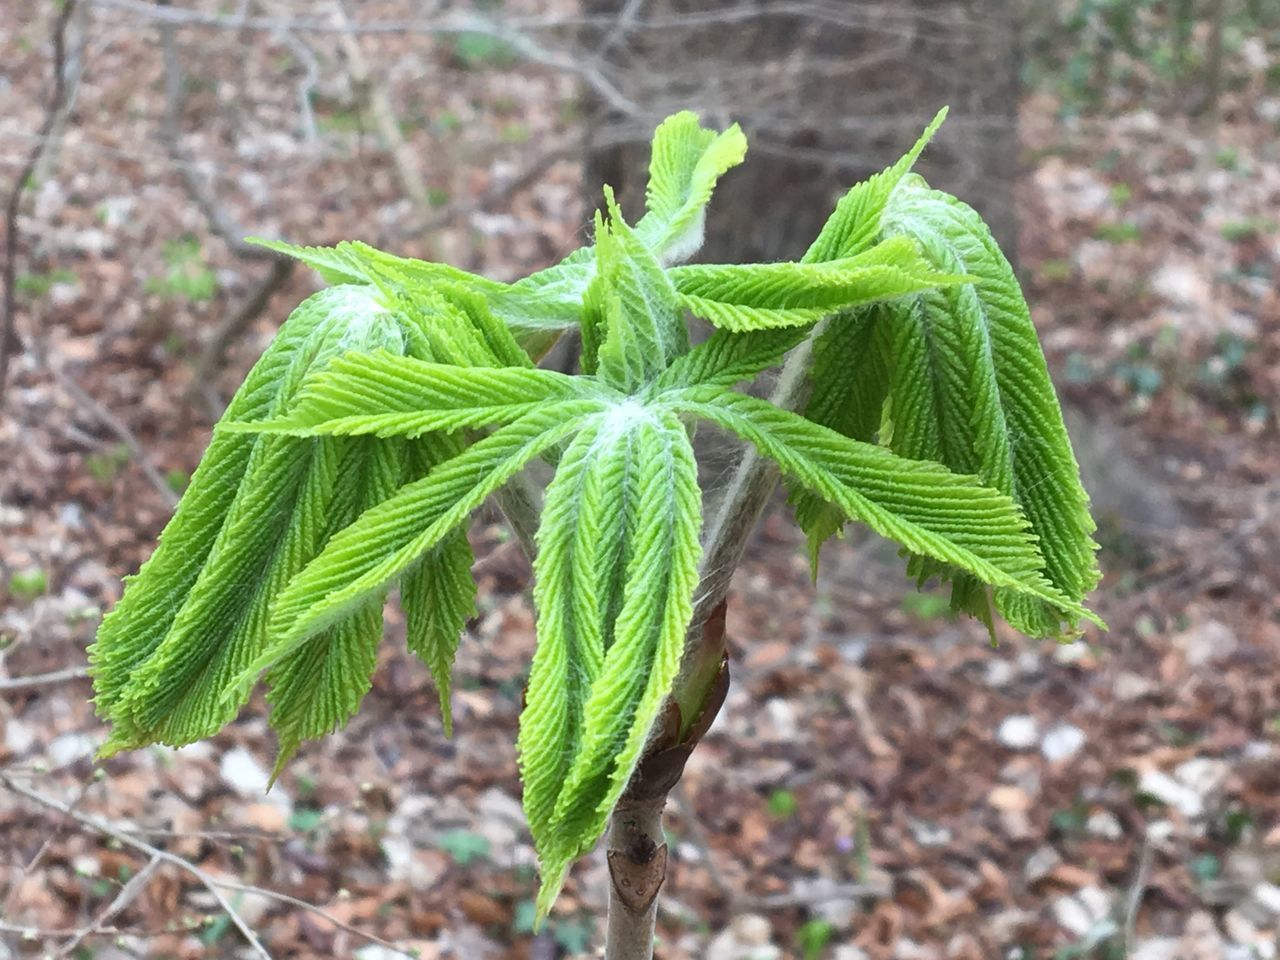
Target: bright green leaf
(386,395)
(686,162)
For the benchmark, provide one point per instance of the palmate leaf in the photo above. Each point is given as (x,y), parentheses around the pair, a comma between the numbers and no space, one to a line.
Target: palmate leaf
(254,512)
(922,506)
(687,160)
(387,541)
(616,569)
(970,388)
(771,295)
(387,395)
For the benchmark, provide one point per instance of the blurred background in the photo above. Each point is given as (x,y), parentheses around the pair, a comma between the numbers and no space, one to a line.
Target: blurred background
(883,783)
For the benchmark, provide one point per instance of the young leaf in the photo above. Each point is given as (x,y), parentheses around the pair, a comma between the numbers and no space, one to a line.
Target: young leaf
(386,395)
(726,358)
(922,506)
(439,597)
(850,381)
(640,329)
(617,600)
(332,263)
(532,313)
(317,687)
(770,295)
(252,514)
(575,577)
(439,594)
(385,542)
(855,224)
(686,162)
(970,388)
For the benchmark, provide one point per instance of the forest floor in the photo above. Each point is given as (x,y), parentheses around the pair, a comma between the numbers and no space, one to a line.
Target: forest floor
(882,783)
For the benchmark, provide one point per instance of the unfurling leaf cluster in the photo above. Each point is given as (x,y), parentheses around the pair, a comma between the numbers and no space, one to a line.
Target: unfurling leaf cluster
(393,404)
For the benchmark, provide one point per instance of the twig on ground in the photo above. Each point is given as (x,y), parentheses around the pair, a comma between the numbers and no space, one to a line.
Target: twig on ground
(6,906)
(1134,900)
(228,229)
(52,110)
(119,428)
(128,893)
(408,169)
(214,884)
(697,835)
(498,192)
(307,85)
(785,901)
(31,682)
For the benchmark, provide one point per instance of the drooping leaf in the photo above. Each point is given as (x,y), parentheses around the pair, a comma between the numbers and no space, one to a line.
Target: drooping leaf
(638,324)
(385,542)
(575,573)
(386,395)
(855,225)
(439,597)
(922,506)
(970,388)
(770,295)
(850,382)
(686,162)
(617,566)
(251,516)
(317,687)
(439,594)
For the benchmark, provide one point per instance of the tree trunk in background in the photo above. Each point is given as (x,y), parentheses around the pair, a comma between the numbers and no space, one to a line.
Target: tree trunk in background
(825,100)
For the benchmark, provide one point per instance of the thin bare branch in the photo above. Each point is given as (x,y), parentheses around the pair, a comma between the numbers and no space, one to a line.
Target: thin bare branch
(128,893)
(119,428)
(52,110)
(214,884)
(34,681)
(220,219)
(403,157)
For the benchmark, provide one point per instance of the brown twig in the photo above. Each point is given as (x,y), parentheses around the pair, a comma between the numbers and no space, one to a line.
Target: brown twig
(15,884)
(52,110)
(220,220)
(119,428)
(210,882)
(128,893)
(214,884)
(30,682)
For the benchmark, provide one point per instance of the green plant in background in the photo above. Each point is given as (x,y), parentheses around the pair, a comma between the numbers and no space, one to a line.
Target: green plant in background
(187,276)
(913,398)
(27,585)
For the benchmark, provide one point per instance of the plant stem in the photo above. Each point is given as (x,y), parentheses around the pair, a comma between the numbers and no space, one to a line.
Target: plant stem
(637,853)
(749,491)
(637,868)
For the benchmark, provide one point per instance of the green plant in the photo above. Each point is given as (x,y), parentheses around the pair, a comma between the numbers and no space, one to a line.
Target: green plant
(913,398)
(812,938)
(782,804)
(27,585)
(186,275)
